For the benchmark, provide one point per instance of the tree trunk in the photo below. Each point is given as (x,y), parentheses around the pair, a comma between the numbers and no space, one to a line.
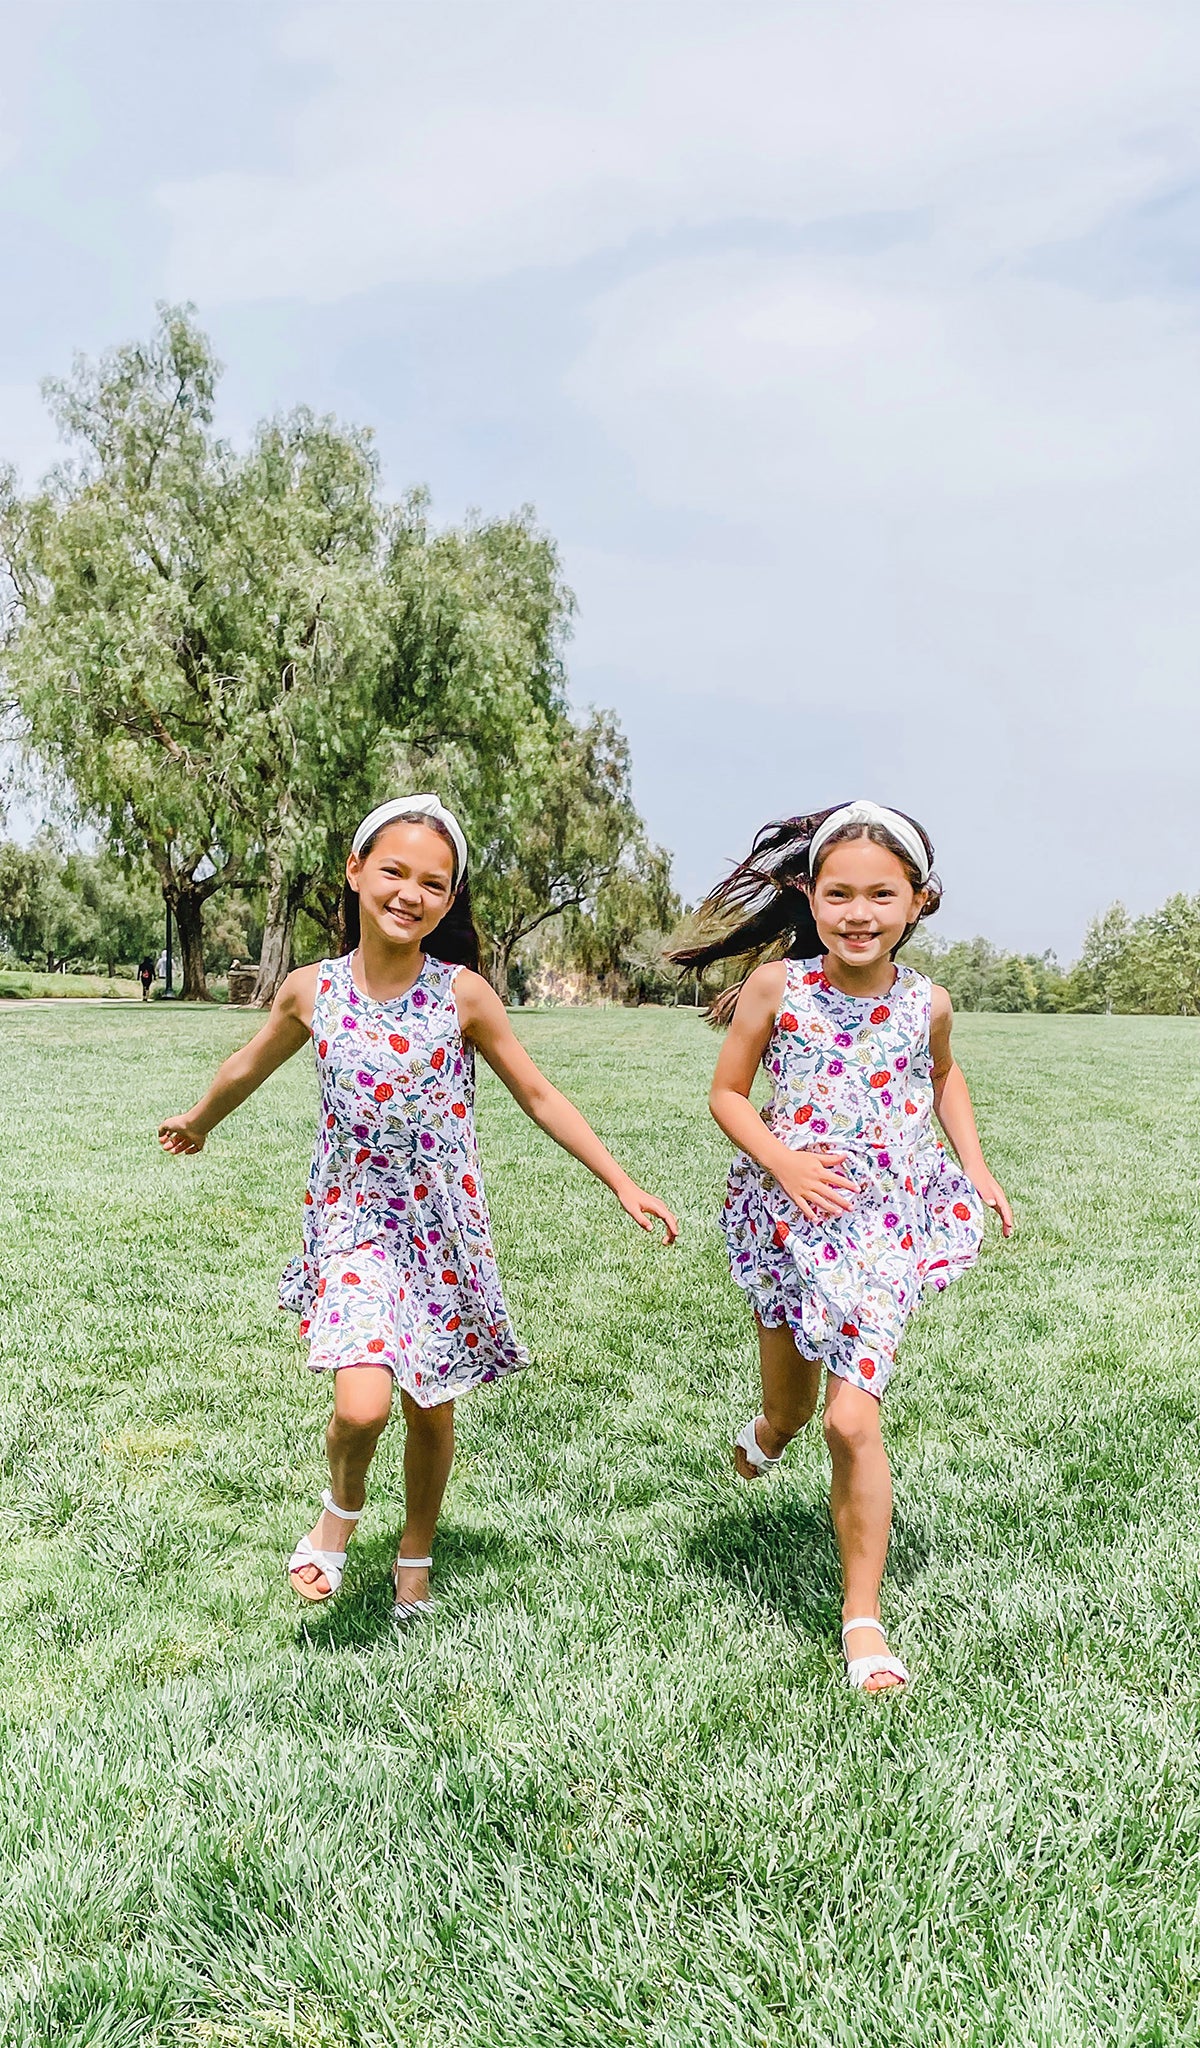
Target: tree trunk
(284,898)
(498,966)
(188,905)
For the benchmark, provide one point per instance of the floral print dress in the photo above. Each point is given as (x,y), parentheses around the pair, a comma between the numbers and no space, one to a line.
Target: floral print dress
(397,1267)
(852,1074)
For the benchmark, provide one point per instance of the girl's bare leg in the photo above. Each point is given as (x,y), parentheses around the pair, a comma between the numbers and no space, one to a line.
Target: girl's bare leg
(428,1456)
(362,1404)
(790,1387)
(860,1501)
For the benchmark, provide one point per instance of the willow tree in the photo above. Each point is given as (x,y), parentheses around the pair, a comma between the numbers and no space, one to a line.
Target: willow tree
(104,637)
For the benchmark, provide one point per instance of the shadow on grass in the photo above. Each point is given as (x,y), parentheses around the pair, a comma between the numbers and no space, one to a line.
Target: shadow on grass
(783,1553)
(477,1566)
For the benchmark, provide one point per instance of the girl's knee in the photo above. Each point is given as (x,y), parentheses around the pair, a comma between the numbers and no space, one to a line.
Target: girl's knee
(851,1420)
(362,1401)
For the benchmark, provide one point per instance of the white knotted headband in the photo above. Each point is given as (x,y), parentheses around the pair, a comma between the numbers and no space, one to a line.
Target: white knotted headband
(402,807)
(864,812)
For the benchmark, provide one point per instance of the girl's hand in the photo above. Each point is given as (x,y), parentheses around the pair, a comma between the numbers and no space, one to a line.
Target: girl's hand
(812,1180)
(642,1207)
(179,1134)
(993,1197)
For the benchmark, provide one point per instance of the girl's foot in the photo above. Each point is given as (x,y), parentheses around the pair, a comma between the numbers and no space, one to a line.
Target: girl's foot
(869,1667)
(316,1565)
(758,1448)
(410,1577)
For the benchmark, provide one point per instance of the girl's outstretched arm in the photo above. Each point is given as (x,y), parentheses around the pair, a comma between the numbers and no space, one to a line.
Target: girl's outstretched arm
(484,1021)
(952,1104)
(285,1031)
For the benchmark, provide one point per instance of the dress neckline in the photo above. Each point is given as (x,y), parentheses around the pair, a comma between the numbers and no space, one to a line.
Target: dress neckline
(383,1002)
(843,995)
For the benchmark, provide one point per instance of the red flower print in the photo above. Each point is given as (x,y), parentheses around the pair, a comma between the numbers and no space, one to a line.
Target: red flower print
(438,1058)
(308,1200)
(910,1109)
(376,1344)
(305,1326)
(322,1047)
(803,1113)
(881,1015)
(789,1022)
(400,1294)
(397,1043)
(351,1280)
(781,1233)
(470,1340)
(321,1286)
(880,1080)
(909,1189)
(906,1241)
(449,1278)
(962,1212)
(458,1109)
(454,1322)
(469,1187)
(330,1121)
(333,1195)
(363,1153)
(866,1367)
(325,987)
(420,1191)
(850,1330)
(810,980)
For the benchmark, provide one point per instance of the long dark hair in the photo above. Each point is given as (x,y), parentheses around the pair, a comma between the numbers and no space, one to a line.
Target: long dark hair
(761,910)
(455,939)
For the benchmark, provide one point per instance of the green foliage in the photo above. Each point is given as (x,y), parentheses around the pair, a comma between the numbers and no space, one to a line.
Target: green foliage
(60,907)
(1148,965)
(617,1794)
(977,976)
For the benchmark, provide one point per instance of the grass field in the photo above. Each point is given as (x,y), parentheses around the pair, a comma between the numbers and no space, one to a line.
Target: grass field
(21,983)
(616,1793)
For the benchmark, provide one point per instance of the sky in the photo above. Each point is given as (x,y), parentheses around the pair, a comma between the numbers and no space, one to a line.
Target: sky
(849,353)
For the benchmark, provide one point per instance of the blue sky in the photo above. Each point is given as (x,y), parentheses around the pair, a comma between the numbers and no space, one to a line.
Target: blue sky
(849,352)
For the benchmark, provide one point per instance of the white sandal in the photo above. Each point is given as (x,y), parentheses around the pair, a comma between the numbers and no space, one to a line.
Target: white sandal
(747,1440)
(331,1563)
(409,1610)
(859,1669)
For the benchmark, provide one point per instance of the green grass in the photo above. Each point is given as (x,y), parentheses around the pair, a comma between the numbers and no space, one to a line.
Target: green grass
(23,982)
(616,1793)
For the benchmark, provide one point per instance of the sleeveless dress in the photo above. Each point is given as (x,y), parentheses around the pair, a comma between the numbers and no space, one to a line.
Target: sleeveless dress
(397,1267)
(852,1074)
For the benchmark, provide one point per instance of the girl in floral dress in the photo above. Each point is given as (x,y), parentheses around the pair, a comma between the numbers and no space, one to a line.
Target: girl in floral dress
(842,1205)
(397,1282)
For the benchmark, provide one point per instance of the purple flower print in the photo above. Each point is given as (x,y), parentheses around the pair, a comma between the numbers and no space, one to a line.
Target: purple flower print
(885,1096)
(901,1063)
(843,1038)
(427,1141)
(818,1125)
(835,1067)
(891,1220)
(365,1080)
(885,1159)
(828,1252)
(419,998)
(350,1023)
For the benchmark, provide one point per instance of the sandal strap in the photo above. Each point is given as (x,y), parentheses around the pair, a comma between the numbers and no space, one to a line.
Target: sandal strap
(863,1621)
(404,1564)
(859,1669)
(344,1514)
(747,1440)
(330,1563)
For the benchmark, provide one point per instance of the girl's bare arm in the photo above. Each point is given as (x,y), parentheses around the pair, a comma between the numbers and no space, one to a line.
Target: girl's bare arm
(484,1021)
(811,1179)
(285,1031)
(952,1104)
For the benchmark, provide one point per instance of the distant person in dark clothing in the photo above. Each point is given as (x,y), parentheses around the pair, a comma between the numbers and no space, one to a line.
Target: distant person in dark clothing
(145,975)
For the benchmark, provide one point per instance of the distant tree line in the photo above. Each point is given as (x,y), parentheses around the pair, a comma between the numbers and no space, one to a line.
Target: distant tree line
(224,657)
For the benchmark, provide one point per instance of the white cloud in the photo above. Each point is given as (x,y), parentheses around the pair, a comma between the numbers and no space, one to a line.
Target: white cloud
(465,142)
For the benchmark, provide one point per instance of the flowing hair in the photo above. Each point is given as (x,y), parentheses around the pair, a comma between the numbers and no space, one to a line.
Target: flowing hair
(454,939)
(761,911)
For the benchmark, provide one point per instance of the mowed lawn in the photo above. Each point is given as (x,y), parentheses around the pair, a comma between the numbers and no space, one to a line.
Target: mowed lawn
(617,1791)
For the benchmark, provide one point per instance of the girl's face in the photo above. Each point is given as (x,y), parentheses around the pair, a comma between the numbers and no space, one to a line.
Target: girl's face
(405,882)
(862,902)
